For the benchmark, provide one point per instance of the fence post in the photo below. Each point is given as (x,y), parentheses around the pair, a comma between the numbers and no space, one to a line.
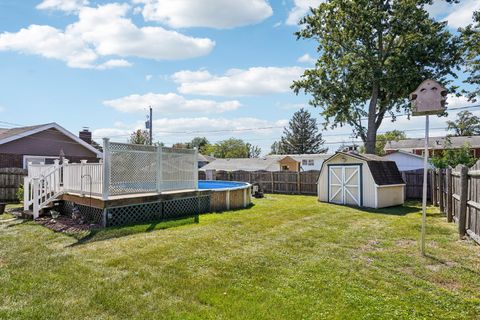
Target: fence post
(449,195)
(271,176)
(158,176)
(462,216)
(299,191)
(434,187)
(106,168)
(195,169)
(441,195)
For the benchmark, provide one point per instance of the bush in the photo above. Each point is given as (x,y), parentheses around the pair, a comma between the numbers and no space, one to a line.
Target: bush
(20,193)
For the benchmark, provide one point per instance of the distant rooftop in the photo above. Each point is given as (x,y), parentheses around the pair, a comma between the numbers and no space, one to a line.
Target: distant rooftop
(434,143)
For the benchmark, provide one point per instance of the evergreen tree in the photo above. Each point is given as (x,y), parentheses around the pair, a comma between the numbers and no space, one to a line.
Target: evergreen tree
(302,135)
(139,137)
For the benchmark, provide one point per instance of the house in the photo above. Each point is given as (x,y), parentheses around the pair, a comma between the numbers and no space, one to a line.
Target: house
(406,161)
(244,164)
(203,160)
(435,145)
(305,162)
(44,143)
(362,180)
(287,162)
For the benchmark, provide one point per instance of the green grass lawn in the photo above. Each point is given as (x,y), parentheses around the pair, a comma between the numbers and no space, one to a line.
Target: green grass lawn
(288,257)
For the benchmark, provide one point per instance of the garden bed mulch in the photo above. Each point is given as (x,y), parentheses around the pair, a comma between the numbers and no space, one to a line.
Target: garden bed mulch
(66,224)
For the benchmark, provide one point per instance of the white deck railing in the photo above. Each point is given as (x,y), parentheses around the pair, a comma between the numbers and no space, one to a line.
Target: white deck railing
(126,169)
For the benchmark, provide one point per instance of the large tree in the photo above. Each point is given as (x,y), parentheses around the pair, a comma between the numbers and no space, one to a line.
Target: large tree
(384,138)
(233,148)
(302,135)
(471,45)
(372,54)
(466,124)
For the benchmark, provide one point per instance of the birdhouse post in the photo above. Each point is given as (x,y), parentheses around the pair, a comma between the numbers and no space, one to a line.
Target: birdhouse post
(428,99)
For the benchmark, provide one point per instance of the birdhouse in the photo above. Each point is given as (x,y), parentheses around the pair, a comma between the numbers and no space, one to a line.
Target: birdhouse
(428,98)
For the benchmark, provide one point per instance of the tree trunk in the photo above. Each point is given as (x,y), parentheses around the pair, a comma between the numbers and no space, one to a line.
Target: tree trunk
(372,126)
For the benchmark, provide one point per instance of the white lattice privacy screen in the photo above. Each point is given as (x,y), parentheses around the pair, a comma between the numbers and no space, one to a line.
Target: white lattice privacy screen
(132,168)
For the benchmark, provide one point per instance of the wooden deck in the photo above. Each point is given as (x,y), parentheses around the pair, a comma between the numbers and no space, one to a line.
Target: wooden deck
(124,200)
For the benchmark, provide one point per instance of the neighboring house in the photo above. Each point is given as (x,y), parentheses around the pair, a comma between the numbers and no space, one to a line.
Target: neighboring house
(436,145)
(306,162)
(406,161)
(243,164)
(289,162)
(44,143)
(203,160)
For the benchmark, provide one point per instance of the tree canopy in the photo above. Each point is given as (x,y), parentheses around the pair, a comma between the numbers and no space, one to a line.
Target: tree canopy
(372,54)
(466,124)
(384,138)
(302,135)
(233,148)
(471,45)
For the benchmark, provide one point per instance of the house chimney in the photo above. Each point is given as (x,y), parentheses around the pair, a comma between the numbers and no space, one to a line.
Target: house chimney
(85,135)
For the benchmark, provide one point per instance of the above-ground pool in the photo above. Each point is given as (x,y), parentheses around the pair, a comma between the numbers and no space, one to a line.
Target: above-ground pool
(227,195)
(214,185)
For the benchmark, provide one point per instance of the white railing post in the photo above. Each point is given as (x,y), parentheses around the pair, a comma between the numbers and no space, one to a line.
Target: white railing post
(159,169)
(195,169)
(106,169)
(56,178)
(36,199)
(82,170)
(26,193)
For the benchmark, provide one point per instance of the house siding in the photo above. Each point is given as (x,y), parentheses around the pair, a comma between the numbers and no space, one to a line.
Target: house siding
(47,143)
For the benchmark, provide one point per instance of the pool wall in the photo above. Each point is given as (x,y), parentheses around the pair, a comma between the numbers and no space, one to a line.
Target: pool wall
(230,199)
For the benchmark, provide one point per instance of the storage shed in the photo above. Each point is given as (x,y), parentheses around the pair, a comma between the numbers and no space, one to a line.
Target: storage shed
(363,180)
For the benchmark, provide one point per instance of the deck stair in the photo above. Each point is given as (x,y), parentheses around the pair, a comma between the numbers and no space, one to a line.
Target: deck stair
(41,192)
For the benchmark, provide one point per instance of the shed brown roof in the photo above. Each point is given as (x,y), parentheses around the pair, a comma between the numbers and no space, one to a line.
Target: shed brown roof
(384,171)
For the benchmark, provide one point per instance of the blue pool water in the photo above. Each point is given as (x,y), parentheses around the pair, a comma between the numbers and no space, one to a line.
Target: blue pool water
(202,184)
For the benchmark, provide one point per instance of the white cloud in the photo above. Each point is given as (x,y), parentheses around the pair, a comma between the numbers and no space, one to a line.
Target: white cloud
(462,13)
(2,109)
(218,14)
(306,58)
(148,77)
(62,5)
(457,14)
(103,32)
(169,103)
(114,63)
(301,8)
(238,82)
(171,130)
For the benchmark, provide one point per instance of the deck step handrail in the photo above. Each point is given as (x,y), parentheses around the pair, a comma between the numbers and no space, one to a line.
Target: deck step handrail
(40,191)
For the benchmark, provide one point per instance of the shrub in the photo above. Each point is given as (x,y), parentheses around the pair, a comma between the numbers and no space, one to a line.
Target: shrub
(20,193)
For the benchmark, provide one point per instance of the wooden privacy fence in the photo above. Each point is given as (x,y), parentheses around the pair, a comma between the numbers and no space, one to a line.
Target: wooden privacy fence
(414,184)
(457,193)
(285,182)
(10,180)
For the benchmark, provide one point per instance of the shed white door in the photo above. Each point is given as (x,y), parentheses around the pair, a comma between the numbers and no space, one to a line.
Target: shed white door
(345,184)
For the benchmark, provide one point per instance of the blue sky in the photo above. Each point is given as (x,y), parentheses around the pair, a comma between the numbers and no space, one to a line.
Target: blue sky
(209,65)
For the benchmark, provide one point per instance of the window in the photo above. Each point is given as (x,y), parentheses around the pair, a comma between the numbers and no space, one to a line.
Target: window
(285,168)
(304,162)
(311,162)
